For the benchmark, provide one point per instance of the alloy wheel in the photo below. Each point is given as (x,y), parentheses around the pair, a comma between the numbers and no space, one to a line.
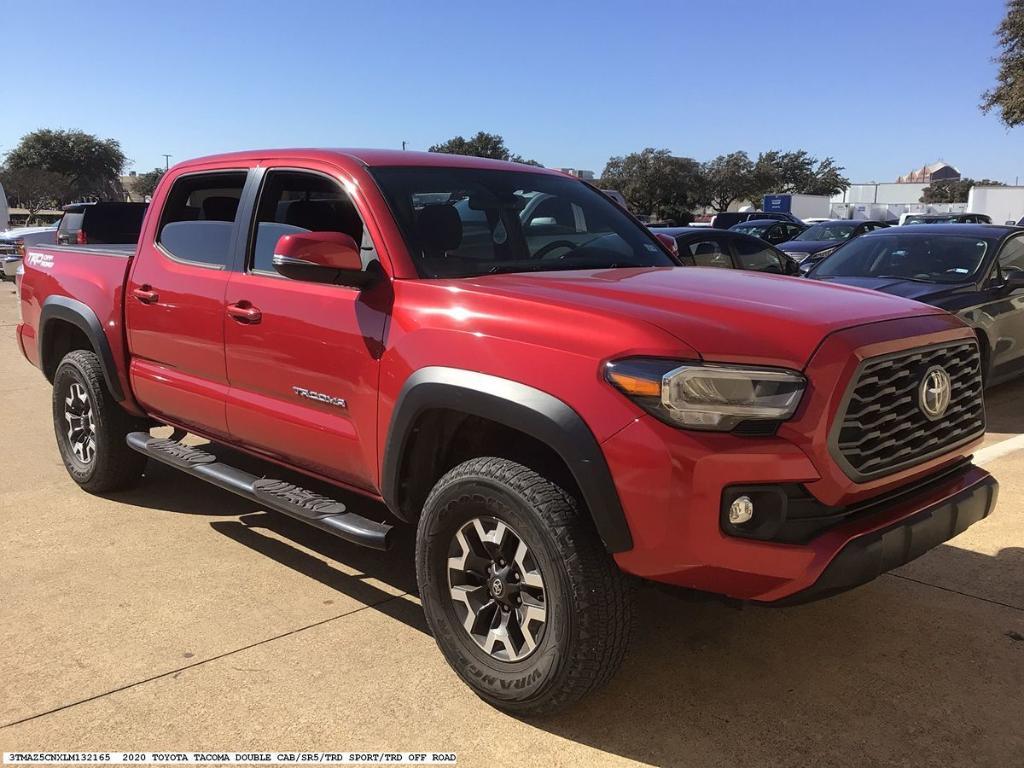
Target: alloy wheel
(497,589)
(81,427)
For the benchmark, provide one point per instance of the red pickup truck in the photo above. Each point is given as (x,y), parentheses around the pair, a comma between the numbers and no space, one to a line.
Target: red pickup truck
(512,363)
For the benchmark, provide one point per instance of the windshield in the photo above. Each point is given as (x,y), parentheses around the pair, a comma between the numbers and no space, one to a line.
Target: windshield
(462,222)
(827,232)
(937,258)
(754,230)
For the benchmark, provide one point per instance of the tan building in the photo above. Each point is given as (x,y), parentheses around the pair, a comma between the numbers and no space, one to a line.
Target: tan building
(926,174)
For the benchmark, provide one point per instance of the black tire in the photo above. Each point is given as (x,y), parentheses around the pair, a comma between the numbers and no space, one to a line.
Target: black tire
(588,600)
(109,464)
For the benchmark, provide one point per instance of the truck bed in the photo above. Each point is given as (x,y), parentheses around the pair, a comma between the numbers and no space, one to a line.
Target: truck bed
(89,276)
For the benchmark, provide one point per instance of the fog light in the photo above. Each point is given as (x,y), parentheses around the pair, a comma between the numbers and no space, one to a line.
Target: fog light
(741,510)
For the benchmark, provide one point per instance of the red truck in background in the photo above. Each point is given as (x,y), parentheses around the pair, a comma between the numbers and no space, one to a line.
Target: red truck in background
(512,363)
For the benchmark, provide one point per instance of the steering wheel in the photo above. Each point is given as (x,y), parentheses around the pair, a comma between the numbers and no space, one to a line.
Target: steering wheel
(546,249)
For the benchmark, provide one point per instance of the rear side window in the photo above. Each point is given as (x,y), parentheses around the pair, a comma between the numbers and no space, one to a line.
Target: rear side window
(753,255)
(199,217)
(70,223)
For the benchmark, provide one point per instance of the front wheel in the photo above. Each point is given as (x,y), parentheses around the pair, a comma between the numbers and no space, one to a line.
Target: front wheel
(521,596)
(91,427)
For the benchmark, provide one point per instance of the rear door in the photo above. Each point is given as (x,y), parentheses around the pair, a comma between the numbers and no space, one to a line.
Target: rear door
(302,357)
(174,306)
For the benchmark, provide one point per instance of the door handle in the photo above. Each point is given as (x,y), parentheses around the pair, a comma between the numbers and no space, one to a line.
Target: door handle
(244,312)
(146,294)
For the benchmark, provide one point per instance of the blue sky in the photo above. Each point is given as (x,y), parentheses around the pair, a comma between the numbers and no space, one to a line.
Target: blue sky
(881,86)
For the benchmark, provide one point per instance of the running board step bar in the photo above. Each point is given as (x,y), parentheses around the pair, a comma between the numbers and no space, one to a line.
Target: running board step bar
(321,512)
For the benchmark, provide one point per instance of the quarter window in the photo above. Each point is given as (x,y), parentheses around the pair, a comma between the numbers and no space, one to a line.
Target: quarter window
(199,217)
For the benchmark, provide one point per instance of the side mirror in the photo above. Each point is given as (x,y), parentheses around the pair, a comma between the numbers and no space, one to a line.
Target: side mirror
(669,242)
(321,257)
(1013,278)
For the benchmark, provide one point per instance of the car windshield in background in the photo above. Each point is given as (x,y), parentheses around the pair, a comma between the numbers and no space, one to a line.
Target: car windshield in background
(827,232)
(462,222)
(754,230)
(937,258)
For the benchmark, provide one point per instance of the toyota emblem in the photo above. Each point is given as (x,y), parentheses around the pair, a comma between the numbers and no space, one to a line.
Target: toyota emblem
(934,392)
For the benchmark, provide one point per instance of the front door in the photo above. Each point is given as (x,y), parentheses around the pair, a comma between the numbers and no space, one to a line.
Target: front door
(1006,309)
(302,357)
(174,301)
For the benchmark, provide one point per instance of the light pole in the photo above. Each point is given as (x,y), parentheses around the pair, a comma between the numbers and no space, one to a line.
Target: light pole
(167,161)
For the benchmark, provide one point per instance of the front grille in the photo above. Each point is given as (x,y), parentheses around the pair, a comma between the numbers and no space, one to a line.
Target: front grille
(881,427)
(8,249)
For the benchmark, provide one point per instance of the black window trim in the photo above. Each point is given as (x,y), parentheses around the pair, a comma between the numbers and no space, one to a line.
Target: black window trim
(231,260)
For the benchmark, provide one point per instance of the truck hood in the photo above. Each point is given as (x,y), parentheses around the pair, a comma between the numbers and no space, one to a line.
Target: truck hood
(725,315)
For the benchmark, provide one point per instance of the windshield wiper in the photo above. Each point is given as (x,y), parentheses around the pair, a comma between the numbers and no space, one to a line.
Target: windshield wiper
(903,277)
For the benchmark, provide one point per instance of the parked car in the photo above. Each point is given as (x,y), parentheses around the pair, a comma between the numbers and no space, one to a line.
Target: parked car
(944,218)
(727,219)
(550,414)
(974,271)
(13,243)
(729,249)
(773,232)
(816,220)
(819,240)
(101,223)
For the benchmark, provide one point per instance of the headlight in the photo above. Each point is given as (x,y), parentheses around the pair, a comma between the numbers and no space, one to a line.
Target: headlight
(19,247)
(797,256)
(708,396)
(824,253)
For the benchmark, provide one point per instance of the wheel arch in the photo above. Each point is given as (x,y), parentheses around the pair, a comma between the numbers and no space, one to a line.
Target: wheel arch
(512,406)
(63,324)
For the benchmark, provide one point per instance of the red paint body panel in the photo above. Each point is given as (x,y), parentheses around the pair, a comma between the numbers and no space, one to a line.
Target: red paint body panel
(186,357)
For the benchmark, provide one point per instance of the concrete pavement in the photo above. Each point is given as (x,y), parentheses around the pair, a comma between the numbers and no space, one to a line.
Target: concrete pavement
(178,616)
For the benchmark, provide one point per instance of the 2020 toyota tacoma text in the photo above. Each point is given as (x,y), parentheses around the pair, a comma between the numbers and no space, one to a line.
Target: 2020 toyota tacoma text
(513,364)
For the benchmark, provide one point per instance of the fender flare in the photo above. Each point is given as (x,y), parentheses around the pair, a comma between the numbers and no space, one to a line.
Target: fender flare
(520,407)
(82,317)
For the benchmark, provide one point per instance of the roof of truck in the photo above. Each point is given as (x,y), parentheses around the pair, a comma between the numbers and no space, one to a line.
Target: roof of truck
(372,158)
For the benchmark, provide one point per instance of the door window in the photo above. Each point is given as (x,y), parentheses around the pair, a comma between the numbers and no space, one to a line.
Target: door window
(296,201)
(199,218)
(710,252)
(1011,258)
(756,256)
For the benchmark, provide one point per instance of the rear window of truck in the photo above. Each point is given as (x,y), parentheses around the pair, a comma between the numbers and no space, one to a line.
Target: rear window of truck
(199,216)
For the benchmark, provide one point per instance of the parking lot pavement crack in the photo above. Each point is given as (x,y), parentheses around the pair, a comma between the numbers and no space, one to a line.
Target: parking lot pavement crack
(956,592)
(173,673)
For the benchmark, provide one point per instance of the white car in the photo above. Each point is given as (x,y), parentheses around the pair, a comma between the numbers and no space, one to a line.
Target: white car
(13,243)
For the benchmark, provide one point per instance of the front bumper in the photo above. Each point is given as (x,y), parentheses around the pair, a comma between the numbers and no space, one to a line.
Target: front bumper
(869,556)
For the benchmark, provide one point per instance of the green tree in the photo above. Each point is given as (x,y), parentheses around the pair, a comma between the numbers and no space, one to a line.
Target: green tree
(490,145)
(34,189)
(1008,95)
(726,179)
(143,185)
(91,165)
(657,183)
(796,173)
(953,190)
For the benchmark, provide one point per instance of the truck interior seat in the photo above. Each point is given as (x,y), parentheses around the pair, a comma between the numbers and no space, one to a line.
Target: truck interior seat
(439,230)
(220,208)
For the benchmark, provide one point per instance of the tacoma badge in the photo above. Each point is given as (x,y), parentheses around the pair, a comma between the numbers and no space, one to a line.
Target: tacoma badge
(320,397)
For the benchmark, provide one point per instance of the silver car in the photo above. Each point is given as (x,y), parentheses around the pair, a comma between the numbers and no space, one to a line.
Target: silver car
(13,243)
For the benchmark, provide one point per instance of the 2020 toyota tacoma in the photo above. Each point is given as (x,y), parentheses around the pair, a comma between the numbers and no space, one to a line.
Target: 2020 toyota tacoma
(513,364)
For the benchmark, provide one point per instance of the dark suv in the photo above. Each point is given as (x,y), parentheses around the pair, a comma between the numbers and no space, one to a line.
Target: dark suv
(101,223)
(729,219)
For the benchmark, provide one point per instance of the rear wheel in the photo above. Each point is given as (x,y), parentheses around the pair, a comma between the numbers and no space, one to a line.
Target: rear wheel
(91,427)
(523,600)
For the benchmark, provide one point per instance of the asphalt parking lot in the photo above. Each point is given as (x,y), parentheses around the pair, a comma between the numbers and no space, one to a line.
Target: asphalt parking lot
(178,616)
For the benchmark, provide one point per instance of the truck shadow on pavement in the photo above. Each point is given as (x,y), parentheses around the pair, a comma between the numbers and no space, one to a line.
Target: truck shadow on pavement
(922,667)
